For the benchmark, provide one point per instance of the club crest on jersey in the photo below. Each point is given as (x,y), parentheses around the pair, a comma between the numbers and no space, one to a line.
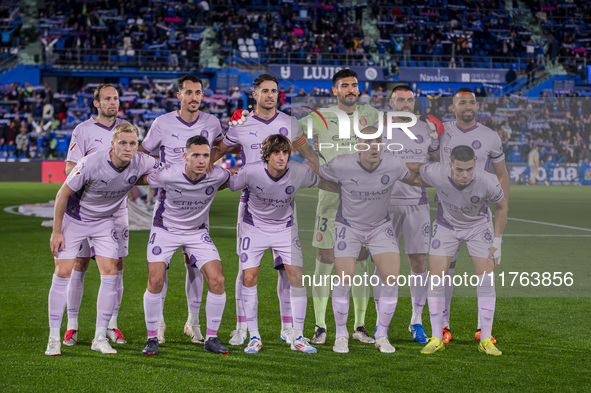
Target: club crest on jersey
(125,233)
(436,243)
(114,234)
(363,121)
(243,257)
(342,245)
(390,232)
(156,250)
(319,237)
(419,139)
(289,189)
(132,179)
(426,229)
(476,145)
(283,131)
(209,190)
(297,244)
(205,133)
(385,179)
(475,199)
(206,238)
(487,236)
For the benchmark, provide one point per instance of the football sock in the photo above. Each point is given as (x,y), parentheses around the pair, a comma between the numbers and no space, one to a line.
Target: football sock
(436,296)
(152,311)
(449,291)
(214,309)
(387,307)
(194,291)
(75,291)
(240,316)
(340,306)
(57,304)
(250,303)
(107,295)
(418,291)
(360,293)
(486,304)
(283,292)
(320,291)
(113,321)
(163,298)
(299,301)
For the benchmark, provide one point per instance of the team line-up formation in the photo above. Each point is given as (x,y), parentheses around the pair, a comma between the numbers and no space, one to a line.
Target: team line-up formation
(368,199)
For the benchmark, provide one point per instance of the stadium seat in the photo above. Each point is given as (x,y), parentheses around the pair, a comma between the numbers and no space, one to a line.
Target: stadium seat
(254,55)
(252,48)
(241,41)
(245,55)
(242,48)
(249,41)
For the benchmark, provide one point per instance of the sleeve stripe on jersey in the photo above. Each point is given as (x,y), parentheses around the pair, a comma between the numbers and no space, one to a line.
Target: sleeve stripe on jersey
(230,139)
(433,150)
(495,157)
(301,141)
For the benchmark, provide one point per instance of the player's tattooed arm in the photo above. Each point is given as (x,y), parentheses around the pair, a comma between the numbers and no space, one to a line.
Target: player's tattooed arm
(56,242)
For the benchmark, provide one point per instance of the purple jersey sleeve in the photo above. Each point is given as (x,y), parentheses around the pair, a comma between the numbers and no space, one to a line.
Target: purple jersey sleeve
(238,180)
(231,138)
(495,192)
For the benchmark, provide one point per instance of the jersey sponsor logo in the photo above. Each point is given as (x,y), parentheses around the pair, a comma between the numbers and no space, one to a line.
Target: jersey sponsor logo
(178,191)
(283,131)
(243,257)
(253,133)
(355,181)
(385,179)
(132,179)
(289,189)
(175,136)
(205,133)
(99,140)
(209,190)
(156,250)
(342,245)
(436,244)
(72,146)
(476,145)
(106,182)
(261,188)
(474,199)
(179,149)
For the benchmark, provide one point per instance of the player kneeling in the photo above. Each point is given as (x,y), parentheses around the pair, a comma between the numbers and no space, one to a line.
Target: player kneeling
(186,193)
(269,222)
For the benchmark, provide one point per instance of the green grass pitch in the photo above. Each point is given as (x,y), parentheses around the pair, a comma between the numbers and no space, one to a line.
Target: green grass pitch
(542,331)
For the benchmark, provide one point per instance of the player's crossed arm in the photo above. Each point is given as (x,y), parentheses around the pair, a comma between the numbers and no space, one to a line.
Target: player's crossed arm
(415,179)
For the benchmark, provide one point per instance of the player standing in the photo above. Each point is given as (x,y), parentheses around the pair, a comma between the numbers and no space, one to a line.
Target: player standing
(488,148)
(463,215)
(264,121)
(269,222)
(346,89)
(167,136)
(182,220)
(366,180)
(89,136)
(84,210)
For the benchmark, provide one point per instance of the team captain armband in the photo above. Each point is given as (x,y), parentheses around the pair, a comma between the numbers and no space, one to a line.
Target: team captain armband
(301,141)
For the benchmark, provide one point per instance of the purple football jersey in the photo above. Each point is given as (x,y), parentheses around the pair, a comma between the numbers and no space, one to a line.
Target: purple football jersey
(364,194)
(270,200)
(169,134)
(411,150)
(253,132)
(184,204)
(485,142)
(100,187)
(90,136)
(462,208)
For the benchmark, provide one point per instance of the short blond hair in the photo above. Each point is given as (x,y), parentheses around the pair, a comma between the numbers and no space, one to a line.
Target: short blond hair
(125,128)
